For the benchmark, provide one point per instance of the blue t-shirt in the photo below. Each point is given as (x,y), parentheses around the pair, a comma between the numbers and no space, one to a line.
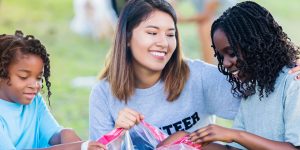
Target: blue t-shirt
(26,126)
(276,117)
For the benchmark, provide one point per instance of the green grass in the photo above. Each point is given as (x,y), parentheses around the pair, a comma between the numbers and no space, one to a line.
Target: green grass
(73,55)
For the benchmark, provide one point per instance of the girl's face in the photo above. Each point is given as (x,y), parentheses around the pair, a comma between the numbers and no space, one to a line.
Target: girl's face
(153,42)
(25,78)
(222,47)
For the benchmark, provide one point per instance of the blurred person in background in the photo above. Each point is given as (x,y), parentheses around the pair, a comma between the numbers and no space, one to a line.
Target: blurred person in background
(206,12)
(94,18)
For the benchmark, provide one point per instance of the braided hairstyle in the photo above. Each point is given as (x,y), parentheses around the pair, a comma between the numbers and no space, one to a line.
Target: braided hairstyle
(260,45)
(11,44)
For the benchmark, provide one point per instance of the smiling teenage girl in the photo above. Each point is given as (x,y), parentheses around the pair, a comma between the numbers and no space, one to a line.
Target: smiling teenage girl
(256,55)
(146,77)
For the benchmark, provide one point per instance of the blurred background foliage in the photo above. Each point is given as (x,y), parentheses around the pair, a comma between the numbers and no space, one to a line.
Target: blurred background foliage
(75,56)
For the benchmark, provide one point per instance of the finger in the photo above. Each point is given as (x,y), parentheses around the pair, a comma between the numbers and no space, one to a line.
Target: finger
(199,135)
(205,139)
(133,113)
(295,69)
(142,117)
(126,119)
(297,77)
(131,119)
(198,131)
(203,144)
(121,123)
(127,124)
(93,145)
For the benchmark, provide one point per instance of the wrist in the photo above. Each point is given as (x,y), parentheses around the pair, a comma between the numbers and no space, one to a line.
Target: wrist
(237,134)
(85,145)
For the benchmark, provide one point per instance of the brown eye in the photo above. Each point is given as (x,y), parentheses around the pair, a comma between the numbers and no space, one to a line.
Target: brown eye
(232,54)
(22,78)
(152,33)
(171,35)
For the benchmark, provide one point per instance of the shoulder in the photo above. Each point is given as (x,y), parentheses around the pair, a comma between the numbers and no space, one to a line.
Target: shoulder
(101,90)
(194,62)
(287,82)
(197,65)
(288,79)
(101,85)
(199,68)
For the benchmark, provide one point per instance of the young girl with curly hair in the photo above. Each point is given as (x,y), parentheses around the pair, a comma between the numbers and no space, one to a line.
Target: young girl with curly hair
(25,121)
(256,55)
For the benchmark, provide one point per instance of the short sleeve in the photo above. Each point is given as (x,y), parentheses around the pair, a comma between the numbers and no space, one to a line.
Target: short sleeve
(48,126)
(100,119)
(292,112)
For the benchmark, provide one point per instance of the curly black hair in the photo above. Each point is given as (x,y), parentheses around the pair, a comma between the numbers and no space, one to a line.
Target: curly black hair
(265,48)
(11,44)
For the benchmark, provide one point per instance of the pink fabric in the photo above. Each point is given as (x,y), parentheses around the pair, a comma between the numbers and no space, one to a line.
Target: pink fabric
(159,135)
(111,136)
(186,141)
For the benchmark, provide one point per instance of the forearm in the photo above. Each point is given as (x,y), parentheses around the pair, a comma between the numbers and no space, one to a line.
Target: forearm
(64,136)
(69,135)
(215,146)
(69,146)
(251,141)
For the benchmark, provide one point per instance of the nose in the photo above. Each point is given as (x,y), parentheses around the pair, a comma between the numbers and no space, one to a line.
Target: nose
(35,84)
(228,62)
(162,41)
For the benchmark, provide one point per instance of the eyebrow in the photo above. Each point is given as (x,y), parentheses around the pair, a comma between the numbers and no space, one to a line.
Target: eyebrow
(23,70)
(151,26)
(226,48)
(27,71)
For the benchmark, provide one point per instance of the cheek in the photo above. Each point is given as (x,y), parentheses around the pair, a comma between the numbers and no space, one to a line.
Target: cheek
(39,85)
(172,44)
(139,46)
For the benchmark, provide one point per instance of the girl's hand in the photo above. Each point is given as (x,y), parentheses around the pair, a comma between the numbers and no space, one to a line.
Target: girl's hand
(93,145)
(212,133)
(127,118)
(295,69)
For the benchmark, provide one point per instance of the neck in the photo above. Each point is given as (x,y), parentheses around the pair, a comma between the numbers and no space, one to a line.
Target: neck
(145,78)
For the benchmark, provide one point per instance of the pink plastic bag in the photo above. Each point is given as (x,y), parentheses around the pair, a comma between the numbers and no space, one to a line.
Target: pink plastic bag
(146,137)
(181,144)
(118,139)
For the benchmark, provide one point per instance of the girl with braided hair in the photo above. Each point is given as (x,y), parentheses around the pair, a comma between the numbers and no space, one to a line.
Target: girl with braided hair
(256,56)
(25,121)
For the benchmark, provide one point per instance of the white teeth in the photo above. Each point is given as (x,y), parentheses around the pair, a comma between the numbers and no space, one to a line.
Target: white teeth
(158,53)
(235,72)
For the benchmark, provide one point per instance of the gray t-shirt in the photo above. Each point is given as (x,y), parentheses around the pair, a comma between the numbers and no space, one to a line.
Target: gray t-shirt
(276,117)
(205,94)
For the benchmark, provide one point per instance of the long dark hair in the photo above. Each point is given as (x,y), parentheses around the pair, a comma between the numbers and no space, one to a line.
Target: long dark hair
(119,67)
(265,48)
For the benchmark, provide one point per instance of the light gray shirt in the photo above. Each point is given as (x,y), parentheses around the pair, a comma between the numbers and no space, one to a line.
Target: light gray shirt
(205,94)
(276,117)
